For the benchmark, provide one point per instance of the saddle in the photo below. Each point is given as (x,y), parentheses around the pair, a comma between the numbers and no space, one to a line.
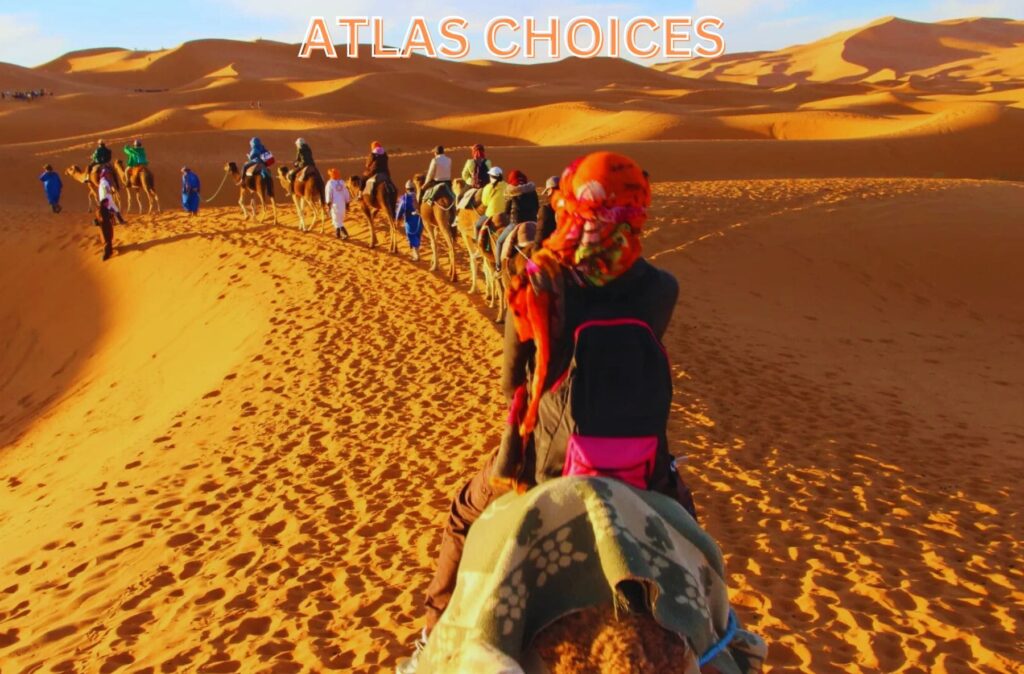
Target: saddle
(370,184)
(97,171)
(470,199)
(435,192)
(250,175)
(304,173)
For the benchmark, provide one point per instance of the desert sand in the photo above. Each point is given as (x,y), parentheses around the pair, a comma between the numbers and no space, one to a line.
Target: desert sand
(231,446)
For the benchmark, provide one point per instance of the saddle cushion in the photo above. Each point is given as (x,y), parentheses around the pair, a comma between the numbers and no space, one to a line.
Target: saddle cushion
(436,191)
(577,542)
(470,199)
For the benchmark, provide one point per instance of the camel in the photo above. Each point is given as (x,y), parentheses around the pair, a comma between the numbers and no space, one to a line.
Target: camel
(437,221)
(306,192)
(138,180)
(384,199)
(92,181)
(257,187)
(465,222)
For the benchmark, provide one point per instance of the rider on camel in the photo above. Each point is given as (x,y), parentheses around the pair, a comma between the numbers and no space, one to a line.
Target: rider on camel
(439,172)
(521,206)
(546,214)
(303,159)
(376,167)
(591,268)
(256,152)
(474,172)
(492,199)
(101,155)
(136,154)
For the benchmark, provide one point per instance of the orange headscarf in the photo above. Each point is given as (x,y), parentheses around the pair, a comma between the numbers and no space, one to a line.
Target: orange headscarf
(600,210)
(334,174)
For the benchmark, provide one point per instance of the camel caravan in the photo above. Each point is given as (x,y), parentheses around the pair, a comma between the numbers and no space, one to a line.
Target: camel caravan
(589,528)
(478,208)
(105,178)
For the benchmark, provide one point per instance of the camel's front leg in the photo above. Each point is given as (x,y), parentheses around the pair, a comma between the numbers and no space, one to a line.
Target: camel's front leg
(429,231)
(263,207)
(472,263)
(298,209)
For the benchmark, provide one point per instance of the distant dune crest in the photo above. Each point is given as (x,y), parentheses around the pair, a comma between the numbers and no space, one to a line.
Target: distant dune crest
(963,51)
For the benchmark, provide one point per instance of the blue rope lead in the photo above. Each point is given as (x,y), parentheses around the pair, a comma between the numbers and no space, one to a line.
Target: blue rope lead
(720,645)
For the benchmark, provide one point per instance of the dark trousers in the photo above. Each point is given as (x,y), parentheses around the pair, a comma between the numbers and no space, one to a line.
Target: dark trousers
(469,502)
(107,230)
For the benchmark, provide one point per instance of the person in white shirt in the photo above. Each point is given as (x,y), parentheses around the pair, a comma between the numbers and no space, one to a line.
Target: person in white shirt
(439,171)
(337,197)
(106,191)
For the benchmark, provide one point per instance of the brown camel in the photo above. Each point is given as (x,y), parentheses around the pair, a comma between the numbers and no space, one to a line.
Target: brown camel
(465,224)
(384,200)
(256,187)
(92,182)
(437,221)
(138,180)
(309,191)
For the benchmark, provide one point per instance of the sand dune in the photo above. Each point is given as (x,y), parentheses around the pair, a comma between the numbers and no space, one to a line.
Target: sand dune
(945,53)
(846,393)
(229,447)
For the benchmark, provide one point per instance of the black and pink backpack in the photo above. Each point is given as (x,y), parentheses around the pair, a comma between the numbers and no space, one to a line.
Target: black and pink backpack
(607,412)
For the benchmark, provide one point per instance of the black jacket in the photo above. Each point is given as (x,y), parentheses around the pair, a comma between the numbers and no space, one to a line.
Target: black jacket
(101,155)
(376,164)
(522,204)
(545,222)
(304,157)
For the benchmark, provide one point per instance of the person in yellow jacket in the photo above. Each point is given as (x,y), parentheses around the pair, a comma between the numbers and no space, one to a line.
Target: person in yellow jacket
(492,198)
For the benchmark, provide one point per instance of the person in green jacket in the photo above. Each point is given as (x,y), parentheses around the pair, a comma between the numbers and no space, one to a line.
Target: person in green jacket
(136,154)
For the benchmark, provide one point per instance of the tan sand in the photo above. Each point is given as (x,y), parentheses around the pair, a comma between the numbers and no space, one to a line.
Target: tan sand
(229,448)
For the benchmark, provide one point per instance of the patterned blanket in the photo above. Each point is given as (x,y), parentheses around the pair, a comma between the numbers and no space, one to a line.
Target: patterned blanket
(578,542)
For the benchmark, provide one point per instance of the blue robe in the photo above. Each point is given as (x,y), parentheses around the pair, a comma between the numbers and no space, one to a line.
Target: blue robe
(190,192)
(413,222)
(52,185)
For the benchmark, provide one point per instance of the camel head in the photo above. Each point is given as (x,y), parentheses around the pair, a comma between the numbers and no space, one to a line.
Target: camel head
(231,167)
(355,183)
(77,173)
(459,186)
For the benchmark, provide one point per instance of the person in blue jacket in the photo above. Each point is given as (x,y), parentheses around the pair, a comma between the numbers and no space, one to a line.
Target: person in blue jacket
(189,191)
(53,186)
(408,212)
(256,152)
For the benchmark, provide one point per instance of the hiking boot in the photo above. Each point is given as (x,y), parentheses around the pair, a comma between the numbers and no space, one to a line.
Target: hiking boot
(344,233)
(337,232)
(411,664)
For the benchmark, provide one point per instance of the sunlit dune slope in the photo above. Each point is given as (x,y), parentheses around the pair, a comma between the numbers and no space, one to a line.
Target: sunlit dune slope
(245,465)
(971,53)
